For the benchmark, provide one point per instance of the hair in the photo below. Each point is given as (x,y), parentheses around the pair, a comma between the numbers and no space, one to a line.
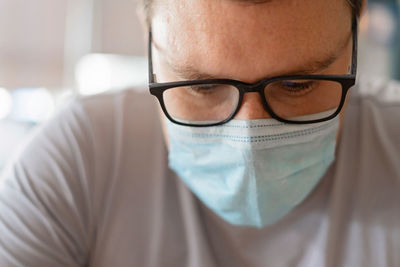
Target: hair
(356,6)
(147,5)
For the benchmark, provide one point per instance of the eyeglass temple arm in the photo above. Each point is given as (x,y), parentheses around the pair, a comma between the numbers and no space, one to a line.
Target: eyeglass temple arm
(150,61)
(355,47)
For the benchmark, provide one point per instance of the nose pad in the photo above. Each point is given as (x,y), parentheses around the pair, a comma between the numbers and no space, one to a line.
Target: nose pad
(252,108)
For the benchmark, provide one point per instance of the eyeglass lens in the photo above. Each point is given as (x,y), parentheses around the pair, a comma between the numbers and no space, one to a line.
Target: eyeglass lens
(294,100)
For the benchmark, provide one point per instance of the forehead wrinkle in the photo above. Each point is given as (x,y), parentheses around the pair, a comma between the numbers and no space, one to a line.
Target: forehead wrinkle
(252,2)
(319,65)
(200,49)
(190,72)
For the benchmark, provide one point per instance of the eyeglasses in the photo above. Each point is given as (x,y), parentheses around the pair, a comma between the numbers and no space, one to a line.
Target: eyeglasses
(295,99)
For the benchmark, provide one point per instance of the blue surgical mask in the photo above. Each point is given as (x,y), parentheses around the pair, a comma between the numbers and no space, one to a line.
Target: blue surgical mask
(252,172)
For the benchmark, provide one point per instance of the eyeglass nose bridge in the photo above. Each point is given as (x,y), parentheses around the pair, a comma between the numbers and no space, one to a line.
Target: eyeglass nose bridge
(257,87)
(253,88)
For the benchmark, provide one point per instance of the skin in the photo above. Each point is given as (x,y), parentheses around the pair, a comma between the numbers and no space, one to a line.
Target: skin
(196,39)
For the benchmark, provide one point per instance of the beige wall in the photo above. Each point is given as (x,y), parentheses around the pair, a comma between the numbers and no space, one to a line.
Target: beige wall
(121,30)
(41,40)
(31,41)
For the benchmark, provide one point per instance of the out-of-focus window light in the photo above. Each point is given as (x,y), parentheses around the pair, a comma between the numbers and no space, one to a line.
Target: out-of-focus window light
(382,23)
(378,34)
(32,105)
(96,73)
(93,74)
(5,103)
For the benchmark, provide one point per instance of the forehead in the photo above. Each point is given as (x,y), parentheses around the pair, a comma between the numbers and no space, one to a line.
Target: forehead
(270,37)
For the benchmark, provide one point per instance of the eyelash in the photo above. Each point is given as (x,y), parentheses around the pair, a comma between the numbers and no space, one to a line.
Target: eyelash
(293,88)
(297,88)
(204,89)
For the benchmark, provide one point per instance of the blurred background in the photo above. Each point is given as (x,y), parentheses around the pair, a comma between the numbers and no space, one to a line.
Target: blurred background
(51,50)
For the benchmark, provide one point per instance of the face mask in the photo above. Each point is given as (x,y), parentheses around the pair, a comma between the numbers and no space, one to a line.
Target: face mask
(253,172)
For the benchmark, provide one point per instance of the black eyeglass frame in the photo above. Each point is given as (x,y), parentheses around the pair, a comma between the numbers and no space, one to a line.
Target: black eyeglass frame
(346,81)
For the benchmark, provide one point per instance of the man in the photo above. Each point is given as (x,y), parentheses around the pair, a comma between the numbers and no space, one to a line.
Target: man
(269,166)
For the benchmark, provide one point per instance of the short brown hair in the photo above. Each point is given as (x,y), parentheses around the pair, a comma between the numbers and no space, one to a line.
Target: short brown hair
(354,4)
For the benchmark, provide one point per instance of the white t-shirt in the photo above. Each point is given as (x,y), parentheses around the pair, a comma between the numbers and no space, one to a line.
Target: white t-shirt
(94,189)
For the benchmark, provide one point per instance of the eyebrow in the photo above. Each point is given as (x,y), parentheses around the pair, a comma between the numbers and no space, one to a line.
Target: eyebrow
(190,73)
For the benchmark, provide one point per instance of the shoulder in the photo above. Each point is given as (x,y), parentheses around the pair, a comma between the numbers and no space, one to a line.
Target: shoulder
(88,132)
(377,104)
(120,125)
(376,92)
(368,159)
(116,114)
(111,105)
(94,153)
(372,129)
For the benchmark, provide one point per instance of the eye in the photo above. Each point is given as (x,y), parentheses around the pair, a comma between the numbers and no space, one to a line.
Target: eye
(203,89)
(297,87)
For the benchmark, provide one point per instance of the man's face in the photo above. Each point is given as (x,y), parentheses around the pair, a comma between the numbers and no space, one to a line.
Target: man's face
(198,39)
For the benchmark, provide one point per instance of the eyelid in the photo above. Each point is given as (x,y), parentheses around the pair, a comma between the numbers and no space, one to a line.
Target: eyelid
(204,86)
